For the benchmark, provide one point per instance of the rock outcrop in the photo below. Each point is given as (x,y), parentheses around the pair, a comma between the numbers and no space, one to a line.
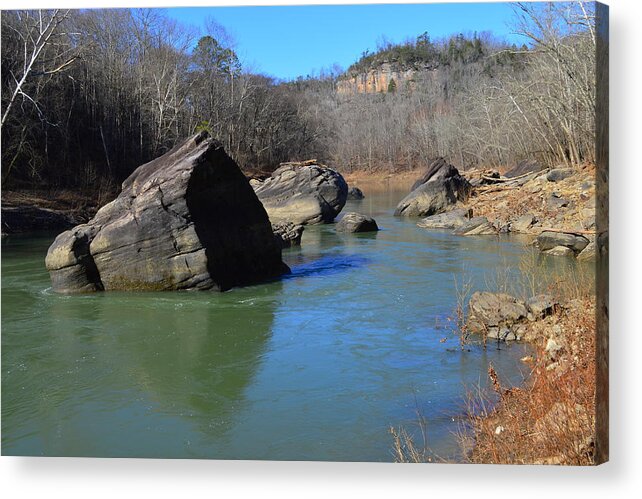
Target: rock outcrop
(501,316)
(439,188)
(356,222)
(187,220)
(303,193)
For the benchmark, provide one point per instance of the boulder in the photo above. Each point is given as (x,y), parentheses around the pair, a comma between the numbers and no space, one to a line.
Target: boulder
(557,174)
(356,222)
(452,219)
(477,226)
(541,306)
(435,192)
(522,223)
(355,194)
(287,234)
(548,240)
(559,251)
(436,165)
(556,201)
(587,253)
(494,312)
(523,167)
(303,194)
(187,220)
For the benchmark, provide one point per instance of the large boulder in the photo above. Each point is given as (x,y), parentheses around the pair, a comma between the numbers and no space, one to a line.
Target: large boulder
(548,240)
(356,222)
(187,220)
(435,192)
(303,193)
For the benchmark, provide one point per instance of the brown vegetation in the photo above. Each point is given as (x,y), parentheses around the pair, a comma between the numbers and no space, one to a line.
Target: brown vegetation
(552,419)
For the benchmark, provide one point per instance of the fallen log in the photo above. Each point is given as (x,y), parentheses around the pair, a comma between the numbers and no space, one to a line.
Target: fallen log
(570,231)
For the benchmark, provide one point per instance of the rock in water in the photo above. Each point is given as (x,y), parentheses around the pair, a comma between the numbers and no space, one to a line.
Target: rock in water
(355,194)
(303,193)
(356,222)
(187,220)
(449,220)
(493,312)
(438,189)
(287,234)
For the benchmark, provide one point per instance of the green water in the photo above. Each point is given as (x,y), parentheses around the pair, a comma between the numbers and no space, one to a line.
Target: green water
(316,366)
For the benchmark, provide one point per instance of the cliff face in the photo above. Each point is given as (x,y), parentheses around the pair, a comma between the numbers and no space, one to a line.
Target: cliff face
(379,79)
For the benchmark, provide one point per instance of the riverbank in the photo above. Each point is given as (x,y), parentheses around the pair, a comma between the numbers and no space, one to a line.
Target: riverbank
(551,418)
(48,210)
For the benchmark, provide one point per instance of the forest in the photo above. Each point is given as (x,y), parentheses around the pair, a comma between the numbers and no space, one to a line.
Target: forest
(89,95)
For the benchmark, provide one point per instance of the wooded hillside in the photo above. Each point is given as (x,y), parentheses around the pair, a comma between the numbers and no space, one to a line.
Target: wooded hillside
(89,95)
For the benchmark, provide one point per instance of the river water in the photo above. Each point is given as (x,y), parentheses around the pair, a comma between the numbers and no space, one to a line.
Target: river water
(316,366)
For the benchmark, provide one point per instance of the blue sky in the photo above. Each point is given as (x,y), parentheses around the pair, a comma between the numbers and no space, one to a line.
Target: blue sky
(291,41)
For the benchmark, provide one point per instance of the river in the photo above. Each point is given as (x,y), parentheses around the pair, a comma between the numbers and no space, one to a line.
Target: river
(316,366)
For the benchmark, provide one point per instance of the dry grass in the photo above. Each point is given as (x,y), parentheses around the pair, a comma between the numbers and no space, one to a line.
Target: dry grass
(552,419)
(504,204)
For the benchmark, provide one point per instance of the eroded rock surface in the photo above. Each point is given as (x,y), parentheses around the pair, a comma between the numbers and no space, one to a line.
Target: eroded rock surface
(303,194)
(287,234)
(187,220)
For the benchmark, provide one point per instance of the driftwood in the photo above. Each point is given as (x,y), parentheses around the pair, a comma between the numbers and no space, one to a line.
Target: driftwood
(308,162)
(570,231)
(505,179)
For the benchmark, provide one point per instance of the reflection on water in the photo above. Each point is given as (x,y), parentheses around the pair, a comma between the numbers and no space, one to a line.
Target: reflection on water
(316,366)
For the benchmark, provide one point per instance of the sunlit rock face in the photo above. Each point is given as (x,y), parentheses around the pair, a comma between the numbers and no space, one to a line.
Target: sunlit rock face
(302,193)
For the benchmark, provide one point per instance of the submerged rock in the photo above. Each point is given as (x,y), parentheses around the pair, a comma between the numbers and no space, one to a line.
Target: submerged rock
(287,234)
(187,220)
(356,222)
(303,193)
(355,194)
(436,191)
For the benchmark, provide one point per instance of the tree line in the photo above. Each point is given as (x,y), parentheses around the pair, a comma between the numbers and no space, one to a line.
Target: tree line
(87,96)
